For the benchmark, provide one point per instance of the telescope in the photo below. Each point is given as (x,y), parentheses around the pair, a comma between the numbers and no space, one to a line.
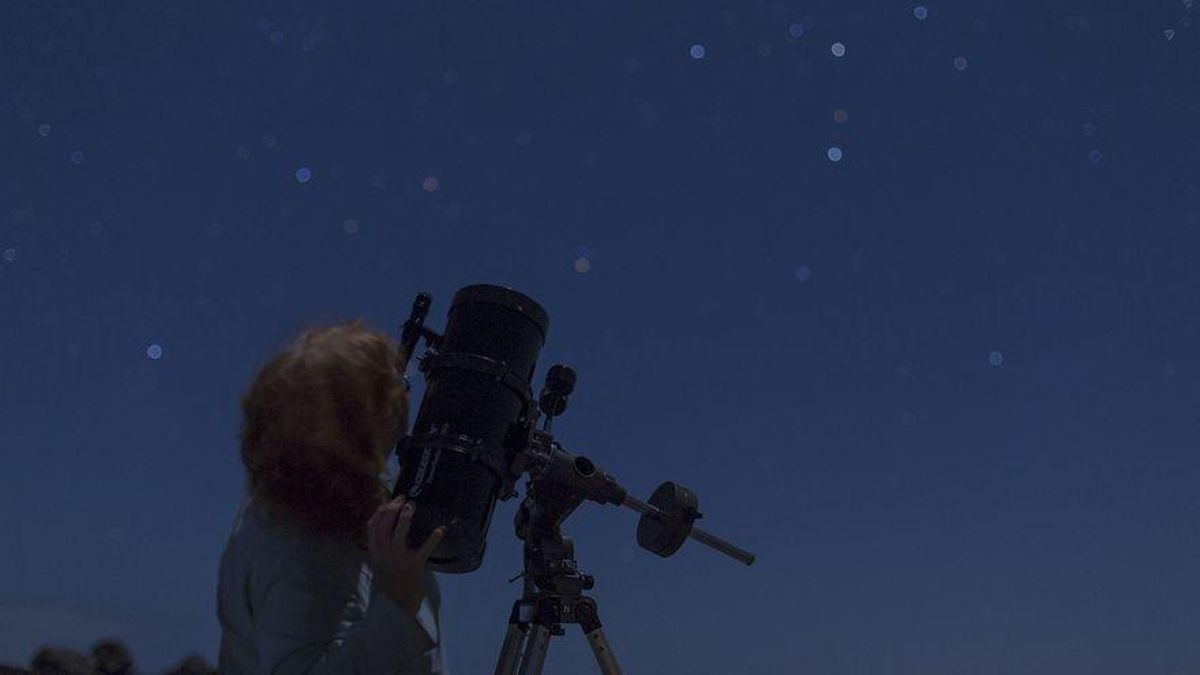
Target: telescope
(477,434)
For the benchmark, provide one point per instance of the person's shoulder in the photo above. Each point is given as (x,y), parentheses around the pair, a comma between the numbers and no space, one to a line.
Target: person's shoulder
(261,539)
(254,527)
(275,542)
(267,556)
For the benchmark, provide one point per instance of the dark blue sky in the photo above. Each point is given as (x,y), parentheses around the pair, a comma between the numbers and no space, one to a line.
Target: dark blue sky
(946,387)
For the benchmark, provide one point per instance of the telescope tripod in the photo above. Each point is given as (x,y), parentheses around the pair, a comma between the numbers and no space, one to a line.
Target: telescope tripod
(553,596)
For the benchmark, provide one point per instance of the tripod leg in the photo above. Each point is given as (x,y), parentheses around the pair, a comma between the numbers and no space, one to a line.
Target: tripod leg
(514,640)
(535,650)
(589,622)
(604,655)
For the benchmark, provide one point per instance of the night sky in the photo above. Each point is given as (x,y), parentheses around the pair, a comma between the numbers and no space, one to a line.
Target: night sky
(906,293)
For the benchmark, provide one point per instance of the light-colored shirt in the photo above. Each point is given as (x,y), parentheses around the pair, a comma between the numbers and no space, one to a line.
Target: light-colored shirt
(290,603)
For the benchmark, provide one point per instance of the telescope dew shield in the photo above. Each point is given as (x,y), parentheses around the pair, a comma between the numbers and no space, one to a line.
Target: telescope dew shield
(478,386)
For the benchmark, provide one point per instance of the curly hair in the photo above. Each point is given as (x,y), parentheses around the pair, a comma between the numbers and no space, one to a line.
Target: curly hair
(318,420)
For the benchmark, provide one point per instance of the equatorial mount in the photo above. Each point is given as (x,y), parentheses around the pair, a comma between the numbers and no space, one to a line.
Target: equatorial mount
(553,584)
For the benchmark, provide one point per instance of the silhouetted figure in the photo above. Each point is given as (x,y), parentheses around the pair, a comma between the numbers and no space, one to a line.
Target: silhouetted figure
(60,661)
(112,658)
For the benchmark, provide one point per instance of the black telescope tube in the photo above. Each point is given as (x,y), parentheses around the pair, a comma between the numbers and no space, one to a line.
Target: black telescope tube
(477,388)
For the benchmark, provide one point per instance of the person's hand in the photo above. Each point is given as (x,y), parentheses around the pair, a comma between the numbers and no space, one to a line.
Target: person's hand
(399,570)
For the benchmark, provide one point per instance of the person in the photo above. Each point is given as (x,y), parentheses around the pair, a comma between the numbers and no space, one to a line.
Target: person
(317,575)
